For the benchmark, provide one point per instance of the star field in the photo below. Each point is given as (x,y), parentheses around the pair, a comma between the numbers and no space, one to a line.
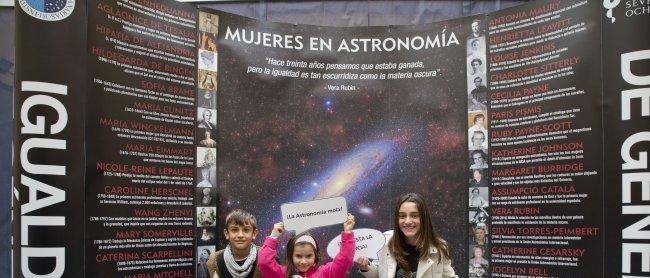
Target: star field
(287,140)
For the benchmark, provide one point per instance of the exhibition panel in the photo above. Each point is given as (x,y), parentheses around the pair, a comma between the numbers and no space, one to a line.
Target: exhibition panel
(143,127)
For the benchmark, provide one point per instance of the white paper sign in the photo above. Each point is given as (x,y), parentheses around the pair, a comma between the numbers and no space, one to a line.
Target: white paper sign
(303,216)
(368,243)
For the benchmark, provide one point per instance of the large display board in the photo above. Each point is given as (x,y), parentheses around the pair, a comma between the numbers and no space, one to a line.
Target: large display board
(159,119)
(544,144)
(362,113)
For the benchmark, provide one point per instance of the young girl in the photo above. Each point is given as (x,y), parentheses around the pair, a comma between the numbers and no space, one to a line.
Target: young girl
(414,249)
(302,255)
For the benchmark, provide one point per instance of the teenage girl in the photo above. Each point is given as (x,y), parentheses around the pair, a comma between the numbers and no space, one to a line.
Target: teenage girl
(415,249)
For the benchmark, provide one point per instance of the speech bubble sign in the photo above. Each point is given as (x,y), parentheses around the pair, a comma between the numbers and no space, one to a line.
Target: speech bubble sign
(368,243)
(303,216)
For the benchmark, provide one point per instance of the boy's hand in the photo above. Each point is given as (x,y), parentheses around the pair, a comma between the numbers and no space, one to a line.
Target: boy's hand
(349,223)
(278,228)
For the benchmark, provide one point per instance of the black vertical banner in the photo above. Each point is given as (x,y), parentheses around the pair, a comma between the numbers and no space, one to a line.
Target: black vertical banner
(140,130)
(48,186)
(545,140)
(626,100)
(477,142)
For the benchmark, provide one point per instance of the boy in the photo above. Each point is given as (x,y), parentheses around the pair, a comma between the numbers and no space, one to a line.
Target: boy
(239,258)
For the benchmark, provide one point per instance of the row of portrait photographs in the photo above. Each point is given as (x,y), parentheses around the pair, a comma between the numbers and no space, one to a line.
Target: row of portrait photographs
(206,216)
(207,55)
(478,242)
(477,140)
(476,68)
(203,254)
(206,177)
(477,133)
(208,22)
(478,237)
(206,152)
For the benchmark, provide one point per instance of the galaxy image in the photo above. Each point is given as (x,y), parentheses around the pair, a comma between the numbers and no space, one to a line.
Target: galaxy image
(290,139)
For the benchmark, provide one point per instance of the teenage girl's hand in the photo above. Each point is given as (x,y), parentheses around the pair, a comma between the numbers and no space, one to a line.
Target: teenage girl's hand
(349,223)
(362,263)
(278,228)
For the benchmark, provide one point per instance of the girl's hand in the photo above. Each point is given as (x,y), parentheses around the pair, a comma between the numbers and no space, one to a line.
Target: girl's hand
(278,228)
(349,223)
(362,263)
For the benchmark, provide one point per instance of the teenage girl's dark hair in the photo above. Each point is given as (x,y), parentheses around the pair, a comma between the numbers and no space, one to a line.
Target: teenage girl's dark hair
(426,236)
(291,269)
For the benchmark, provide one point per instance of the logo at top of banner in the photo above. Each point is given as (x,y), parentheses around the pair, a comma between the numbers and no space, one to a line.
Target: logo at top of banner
(609,5)
(48,10)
